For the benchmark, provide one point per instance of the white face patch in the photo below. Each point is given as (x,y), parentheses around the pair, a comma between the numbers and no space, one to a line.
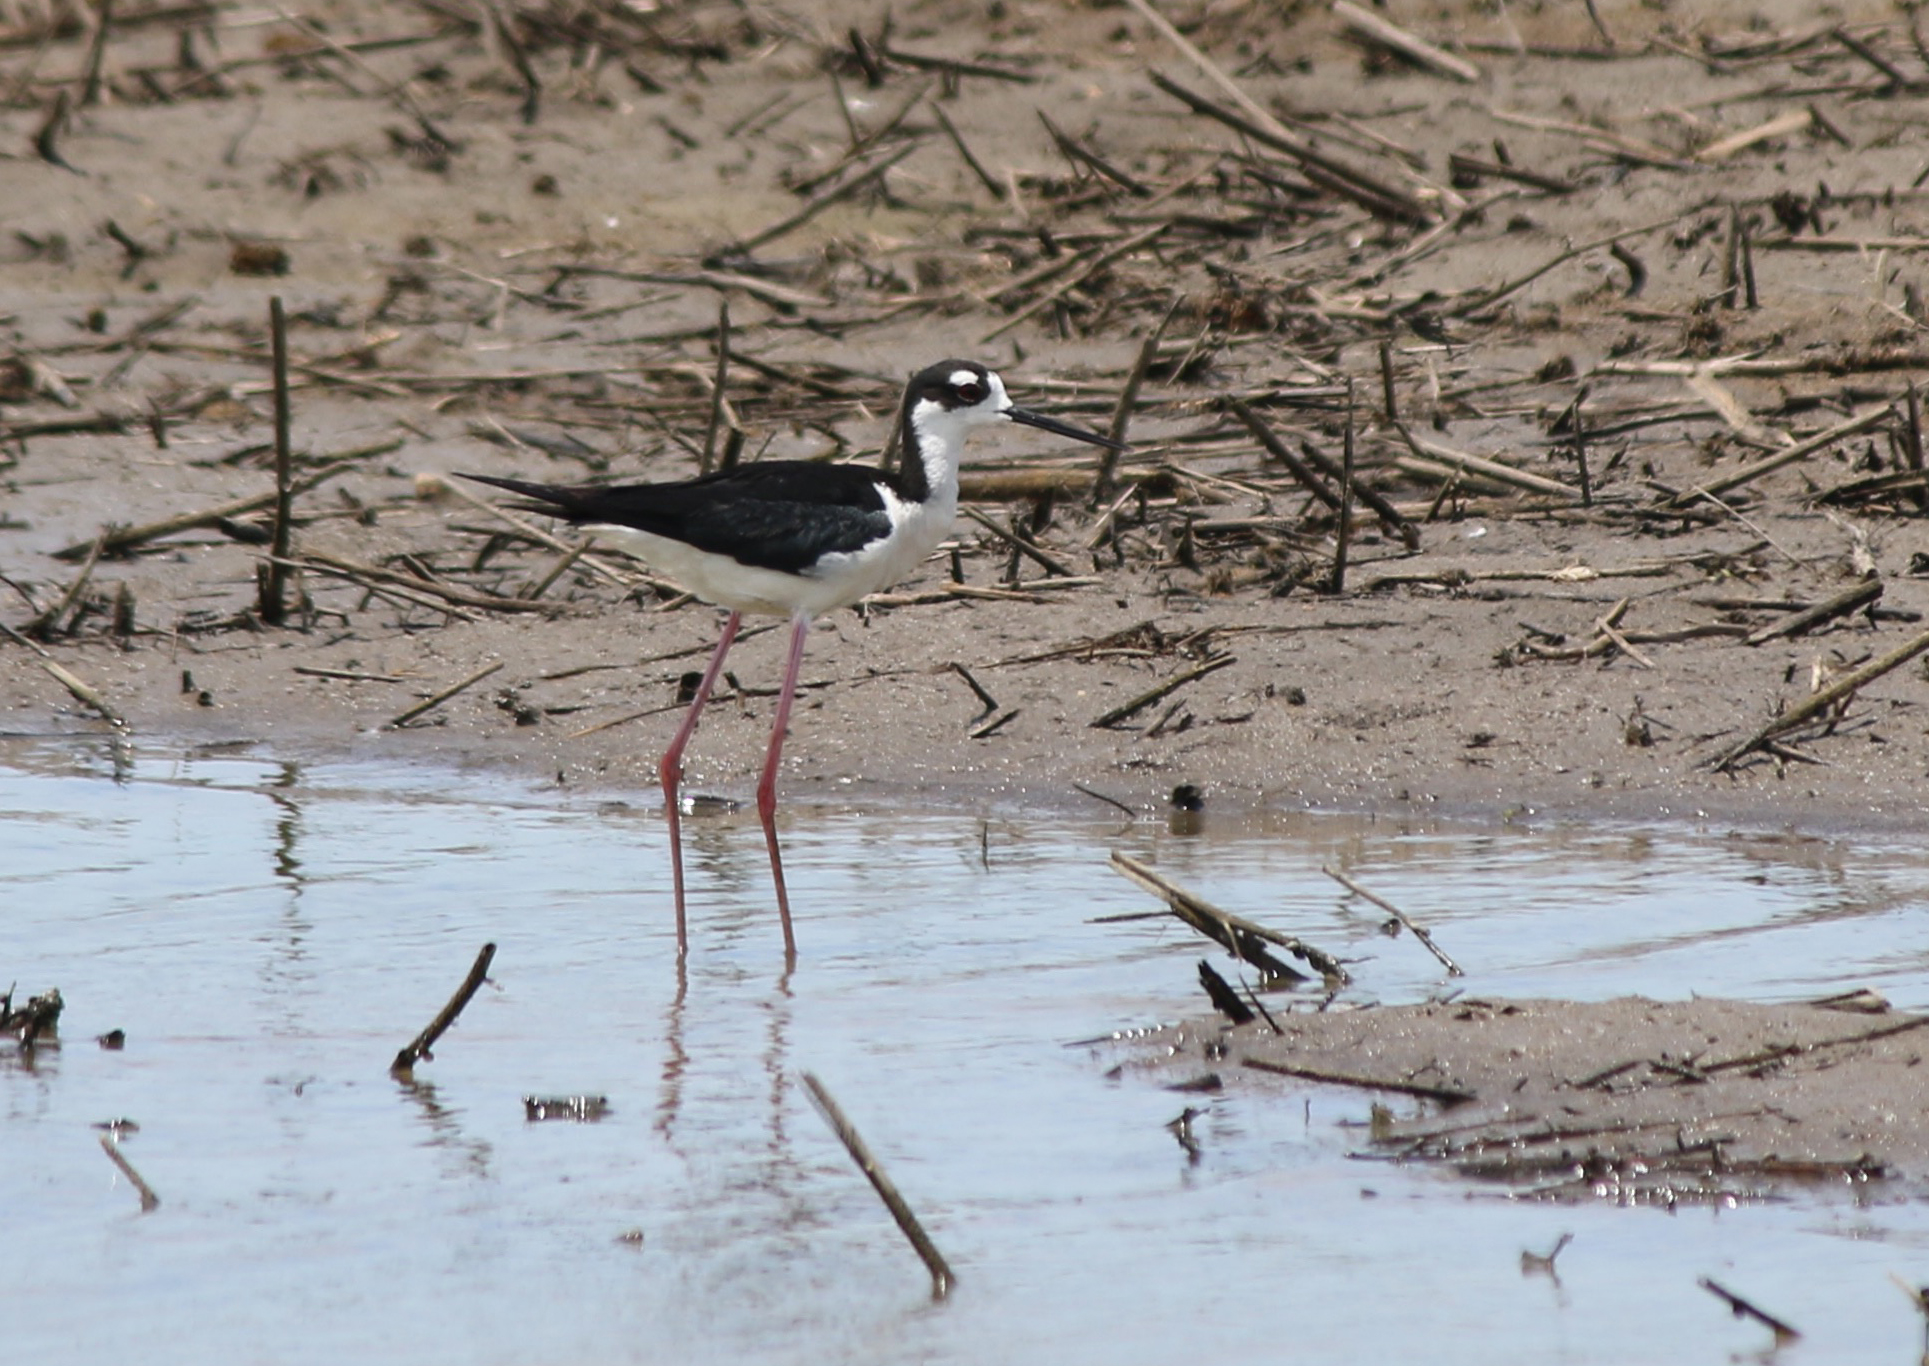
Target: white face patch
(927,414)
(960,378)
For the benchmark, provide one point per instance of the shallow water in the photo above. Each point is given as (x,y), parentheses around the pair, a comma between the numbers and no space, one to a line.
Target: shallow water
(268,935)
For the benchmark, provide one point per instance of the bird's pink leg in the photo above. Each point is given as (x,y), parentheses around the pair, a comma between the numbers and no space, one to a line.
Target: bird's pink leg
(767,789)
(670,772)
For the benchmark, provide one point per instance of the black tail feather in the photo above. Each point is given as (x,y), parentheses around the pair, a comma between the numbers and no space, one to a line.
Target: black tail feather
(553,499)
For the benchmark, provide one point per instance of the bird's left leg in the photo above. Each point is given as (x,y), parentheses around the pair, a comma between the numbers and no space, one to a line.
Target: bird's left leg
(767,789)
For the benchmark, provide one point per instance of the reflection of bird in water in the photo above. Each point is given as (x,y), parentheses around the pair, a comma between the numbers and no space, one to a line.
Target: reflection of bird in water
(794,538)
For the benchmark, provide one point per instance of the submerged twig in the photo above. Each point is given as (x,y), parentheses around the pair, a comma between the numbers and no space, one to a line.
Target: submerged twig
(1224,999)
(47,624)
(46,141)
(985,178)
(1861,422)
(90,83)
(870,175)
(1741,1308)
(418,1050)
(1022,544)
(1229,930)
(1419,932)
(942,1277)
(1263,433)
(1343,535)
(718,404)
(149,1200)
(1108,463)
(991,703)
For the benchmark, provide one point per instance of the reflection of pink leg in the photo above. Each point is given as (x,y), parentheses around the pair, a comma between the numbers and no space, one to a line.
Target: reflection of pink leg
(670,772)
(767,789)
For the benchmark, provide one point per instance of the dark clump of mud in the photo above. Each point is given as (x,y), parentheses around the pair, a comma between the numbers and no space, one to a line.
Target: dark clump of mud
(1635,1100)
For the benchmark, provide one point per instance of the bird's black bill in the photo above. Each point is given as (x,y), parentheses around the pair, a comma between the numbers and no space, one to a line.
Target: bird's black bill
(1052,424)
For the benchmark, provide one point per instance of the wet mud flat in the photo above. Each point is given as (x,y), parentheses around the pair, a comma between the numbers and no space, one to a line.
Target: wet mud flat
(1630,1100)
(1618,319)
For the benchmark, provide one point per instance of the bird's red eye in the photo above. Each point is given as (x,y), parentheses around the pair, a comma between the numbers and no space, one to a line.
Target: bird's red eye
(971,393)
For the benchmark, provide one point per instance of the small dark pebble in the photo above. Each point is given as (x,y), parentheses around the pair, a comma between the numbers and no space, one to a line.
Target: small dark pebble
(258,258)
(113,1038)
(248,533)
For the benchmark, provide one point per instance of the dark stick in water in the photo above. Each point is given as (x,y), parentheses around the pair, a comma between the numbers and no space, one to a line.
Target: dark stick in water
(416,1051)
(942,1278)
(149,1200)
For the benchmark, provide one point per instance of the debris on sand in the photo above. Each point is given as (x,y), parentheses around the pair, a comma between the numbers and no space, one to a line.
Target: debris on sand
(1632,1100)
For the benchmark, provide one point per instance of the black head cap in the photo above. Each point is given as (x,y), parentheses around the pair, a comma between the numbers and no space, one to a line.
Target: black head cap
(951,384)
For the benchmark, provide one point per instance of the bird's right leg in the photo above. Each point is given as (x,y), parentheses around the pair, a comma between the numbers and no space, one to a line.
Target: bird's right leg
(670,772)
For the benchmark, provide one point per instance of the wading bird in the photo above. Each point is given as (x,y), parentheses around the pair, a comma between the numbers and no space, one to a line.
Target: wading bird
(793,538)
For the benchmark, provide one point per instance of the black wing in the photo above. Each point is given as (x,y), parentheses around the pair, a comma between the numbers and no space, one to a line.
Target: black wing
(776,514)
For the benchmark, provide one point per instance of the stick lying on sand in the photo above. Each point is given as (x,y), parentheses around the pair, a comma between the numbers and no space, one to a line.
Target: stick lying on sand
(1813,706)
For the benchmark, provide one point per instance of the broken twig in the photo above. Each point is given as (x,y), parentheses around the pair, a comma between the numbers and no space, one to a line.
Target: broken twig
(418,1050)
(1446,1095)
(430,704)
(1741,1308)
(86,694)
(1814,706)
(274,583)
(942,1277)
(149,1200)
(1417,931)
(1151,695)
(1229,930)
(1397,40)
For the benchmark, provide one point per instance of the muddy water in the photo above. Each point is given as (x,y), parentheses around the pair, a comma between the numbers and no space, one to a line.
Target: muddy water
(268,935)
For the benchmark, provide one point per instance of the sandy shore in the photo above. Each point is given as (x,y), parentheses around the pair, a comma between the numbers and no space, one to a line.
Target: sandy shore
(471,291)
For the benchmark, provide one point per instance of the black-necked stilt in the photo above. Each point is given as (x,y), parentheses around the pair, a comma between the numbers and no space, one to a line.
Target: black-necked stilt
(794,538)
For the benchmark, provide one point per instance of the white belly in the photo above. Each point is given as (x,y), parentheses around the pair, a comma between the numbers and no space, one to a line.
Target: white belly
(835,581)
